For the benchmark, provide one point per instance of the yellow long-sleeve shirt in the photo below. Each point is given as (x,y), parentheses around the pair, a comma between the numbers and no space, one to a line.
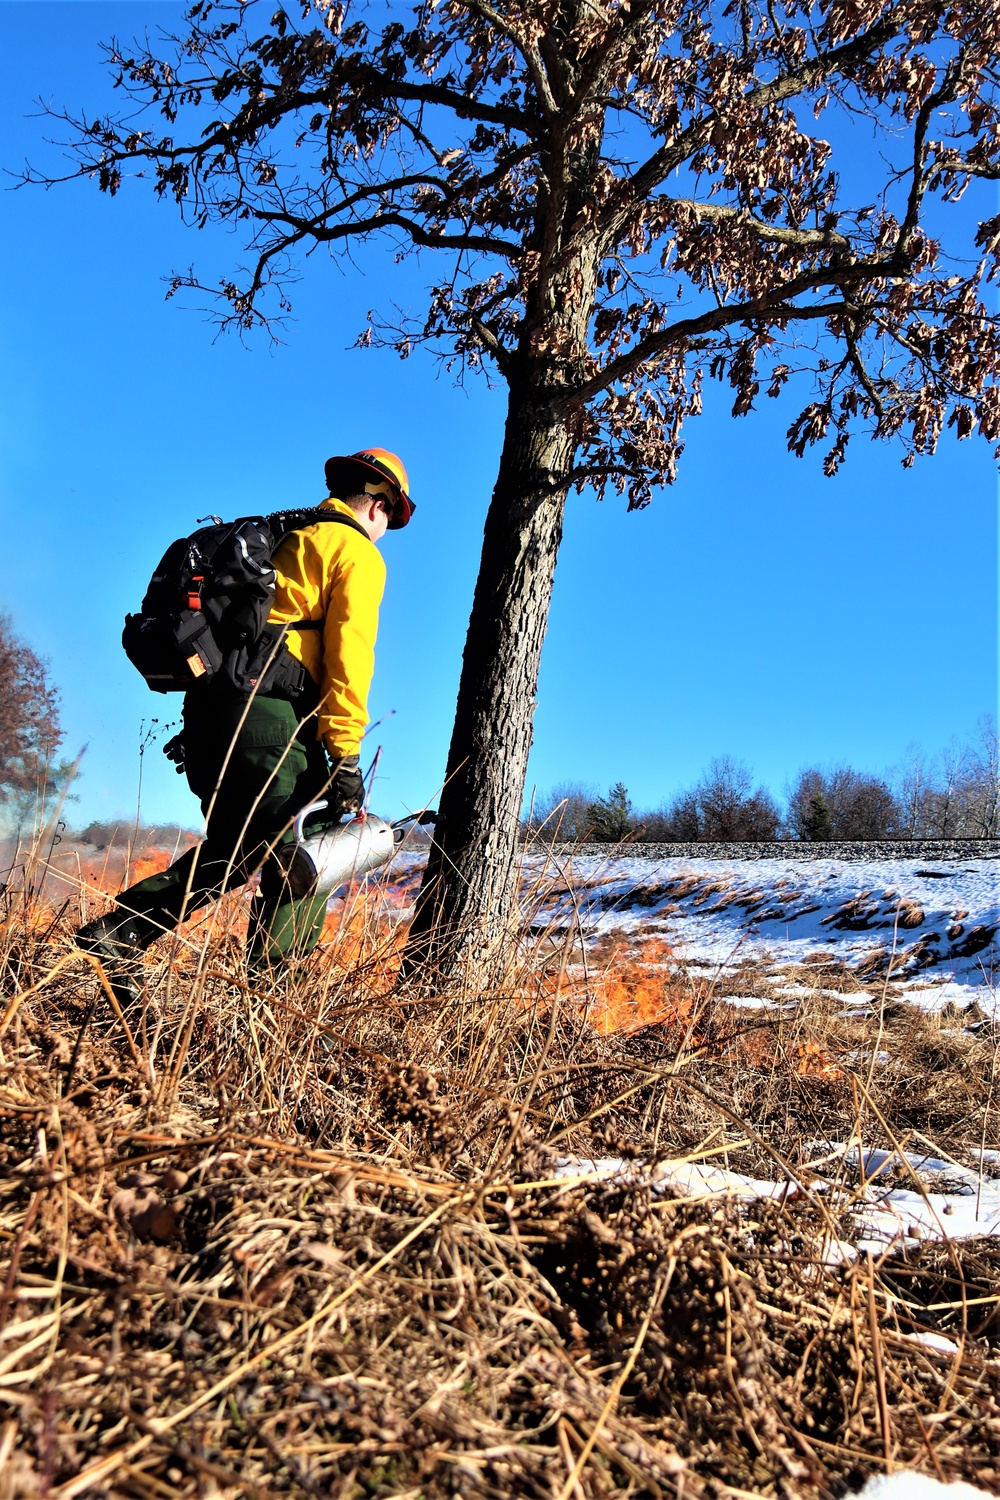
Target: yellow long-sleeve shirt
(331,573)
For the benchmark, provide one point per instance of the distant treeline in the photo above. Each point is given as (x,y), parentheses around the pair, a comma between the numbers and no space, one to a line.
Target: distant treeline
(954,795)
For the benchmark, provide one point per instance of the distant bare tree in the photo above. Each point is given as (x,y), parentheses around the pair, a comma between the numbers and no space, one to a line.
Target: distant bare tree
(561,815)
(684,818)
(859,805)
(677,822)
(724,806)
(956,795)
(30,733)
(984,777)
(120,831)
(730,809)
(947,802)
(914,788)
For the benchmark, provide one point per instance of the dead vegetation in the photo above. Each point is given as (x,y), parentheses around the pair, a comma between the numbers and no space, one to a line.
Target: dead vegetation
(327,1237)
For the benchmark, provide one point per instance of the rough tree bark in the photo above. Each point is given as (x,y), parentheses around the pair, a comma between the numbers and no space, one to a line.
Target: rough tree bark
(463,911)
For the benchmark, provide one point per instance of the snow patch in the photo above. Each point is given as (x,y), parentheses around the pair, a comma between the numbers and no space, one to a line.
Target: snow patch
(899,1199)
(938,938)
(749,1002)
(905,1484)
(935,1341)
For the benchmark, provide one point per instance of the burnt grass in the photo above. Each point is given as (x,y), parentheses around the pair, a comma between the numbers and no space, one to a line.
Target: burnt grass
(310,1237)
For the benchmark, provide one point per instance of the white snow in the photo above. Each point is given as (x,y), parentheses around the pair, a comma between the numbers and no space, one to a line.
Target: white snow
(909,1197)
(750,1002)
(936,920)
(976,987)
(889,1199)
(905,1484)
(935,1341)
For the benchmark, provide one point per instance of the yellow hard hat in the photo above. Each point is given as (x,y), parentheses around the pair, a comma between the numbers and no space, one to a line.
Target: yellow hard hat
(373,471)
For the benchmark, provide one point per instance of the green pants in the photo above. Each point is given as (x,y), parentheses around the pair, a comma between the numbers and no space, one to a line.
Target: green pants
(275,767)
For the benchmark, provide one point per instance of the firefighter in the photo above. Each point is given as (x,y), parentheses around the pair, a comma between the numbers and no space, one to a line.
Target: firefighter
(254,764)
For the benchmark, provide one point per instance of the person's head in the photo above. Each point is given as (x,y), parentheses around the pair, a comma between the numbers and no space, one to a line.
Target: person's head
(374,483)
(373,512)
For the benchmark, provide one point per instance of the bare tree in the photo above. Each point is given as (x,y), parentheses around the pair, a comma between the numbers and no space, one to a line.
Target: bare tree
(985,781)
(30,734)
(678,822)
(861,805)
(913,791)
(628,199)
(105,835)
(957,793)
(858,805)
(561,815)
(730,809)
(947,812)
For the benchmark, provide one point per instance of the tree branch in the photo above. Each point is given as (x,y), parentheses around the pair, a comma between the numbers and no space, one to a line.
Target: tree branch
(647,177)
(616,40)
(945,94)
(262,114)
(861,370)
(761,309)
(485,334)
(465,107)
(532,57)
(988,170)
(392,219)
(779,234)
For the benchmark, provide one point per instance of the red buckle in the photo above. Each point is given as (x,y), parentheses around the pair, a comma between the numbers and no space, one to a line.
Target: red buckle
(194,594)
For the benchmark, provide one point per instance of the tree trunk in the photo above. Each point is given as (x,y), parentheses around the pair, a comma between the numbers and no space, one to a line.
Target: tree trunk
(466,902)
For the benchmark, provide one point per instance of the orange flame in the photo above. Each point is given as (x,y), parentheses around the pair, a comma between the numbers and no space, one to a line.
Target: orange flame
(633,987)
(813,1062)
(358,935)
(146,865)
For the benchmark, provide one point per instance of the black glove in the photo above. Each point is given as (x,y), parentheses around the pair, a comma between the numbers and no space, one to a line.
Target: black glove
(347,789)
(174,751)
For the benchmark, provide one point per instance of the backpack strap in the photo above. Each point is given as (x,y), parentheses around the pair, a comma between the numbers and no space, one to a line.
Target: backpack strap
(322,514)
(284,522)
(300,519)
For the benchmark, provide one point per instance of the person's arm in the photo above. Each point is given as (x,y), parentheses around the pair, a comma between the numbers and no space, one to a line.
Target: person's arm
(349,631)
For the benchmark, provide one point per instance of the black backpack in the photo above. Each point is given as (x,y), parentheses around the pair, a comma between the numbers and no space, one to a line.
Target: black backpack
(204,614)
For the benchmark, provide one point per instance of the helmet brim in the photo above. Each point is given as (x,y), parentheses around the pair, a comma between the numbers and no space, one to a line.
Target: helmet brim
(402,509)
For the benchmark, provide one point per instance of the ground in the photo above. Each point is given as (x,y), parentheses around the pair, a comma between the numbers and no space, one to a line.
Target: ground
(701,1201)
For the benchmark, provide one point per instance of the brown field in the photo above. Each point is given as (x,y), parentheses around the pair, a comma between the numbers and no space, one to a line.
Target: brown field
(324,1235)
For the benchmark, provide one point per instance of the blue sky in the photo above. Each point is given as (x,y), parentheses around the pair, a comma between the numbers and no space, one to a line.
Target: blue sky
(755,609)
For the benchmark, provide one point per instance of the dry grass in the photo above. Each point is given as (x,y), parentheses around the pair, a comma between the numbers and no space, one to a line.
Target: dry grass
(309,1238)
